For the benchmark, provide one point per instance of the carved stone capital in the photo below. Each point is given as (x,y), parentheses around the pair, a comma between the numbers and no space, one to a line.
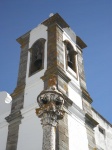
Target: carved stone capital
(50,113)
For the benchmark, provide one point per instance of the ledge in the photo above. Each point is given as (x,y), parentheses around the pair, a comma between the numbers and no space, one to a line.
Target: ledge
(56,18)
(90,121)
(80,43)
(86,95)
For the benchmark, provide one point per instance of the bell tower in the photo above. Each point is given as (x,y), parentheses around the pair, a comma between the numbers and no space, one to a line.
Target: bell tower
(51,49)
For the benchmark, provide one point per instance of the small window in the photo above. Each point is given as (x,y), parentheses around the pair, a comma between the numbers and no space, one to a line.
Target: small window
(70,56)
(37,56)
(101,130)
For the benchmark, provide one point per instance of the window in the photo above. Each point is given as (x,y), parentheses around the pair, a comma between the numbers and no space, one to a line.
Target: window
(70,56)
(101,130)
(37,56)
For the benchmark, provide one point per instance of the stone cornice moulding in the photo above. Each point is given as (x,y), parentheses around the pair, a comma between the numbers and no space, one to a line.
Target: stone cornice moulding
(56,18)
(24,38)
(80,43)
(14,117)
(86,95)
(57,71)
(90,121)
(3,122)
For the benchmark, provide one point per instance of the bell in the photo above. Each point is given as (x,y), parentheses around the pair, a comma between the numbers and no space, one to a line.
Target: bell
(38,63)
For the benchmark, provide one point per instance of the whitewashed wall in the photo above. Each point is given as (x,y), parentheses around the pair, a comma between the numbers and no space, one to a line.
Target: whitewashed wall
(77,134)
(103,141)
(74,85)
(30,131)
(4,112)
(34,85)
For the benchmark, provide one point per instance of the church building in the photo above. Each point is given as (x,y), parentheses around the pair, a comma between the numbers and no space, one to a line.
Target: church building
(51,108)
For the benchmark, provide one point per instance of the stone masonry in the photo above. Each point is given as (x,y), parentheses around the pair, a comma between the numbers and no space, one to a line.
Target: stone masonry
(14,119)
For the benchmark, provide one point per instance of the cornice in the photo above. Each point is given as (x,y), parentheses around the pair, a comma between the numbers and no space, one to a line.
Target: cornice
(80,43)
(57,71)
(90,121)
(86,95)
(56,18)
(24,39)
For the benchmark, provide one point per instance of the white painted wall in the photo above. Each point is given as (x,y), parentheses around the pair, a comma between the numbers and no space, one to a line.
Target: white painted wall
(32,91)
(77,134)
(39,32)
(3,135)
(72,92)
(103,141)
(30,131)
(4,112)
(74,96)
(34,85)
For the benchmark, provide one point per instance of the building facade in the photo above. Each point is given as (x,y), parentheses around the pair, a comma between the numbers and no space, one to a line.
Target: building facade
(52,50)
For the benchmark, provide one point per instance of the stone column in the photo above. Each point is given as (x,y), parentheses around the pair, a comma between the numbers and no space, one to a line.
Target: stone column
(50,111)
(48,137)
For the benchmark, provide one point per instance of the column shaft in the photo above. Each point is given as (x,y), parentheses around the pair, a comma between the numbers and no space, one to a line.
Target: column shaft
(48,137)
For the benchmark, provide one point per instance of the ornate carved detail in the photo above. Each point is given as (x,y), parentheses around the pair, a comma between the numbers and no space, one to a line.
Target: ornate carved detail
(50,113)
(51,110)
(51,103)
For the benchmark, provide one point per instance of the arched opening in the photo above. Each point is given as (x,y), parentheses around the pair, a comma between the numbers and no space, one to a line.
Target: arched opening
(37,56)
(70,56)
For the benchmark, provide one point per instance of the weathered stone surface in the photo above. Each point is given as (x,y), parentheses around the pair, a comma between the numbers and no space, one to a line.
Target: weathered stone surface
(51,110)
(62,137)
(48,138)
(14,119)
(90,124)
(22,66)
(81,69)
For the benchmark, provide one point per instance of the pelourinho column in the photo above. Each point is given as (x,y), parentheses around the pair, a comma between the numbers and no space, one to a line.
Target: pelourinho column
(50,111)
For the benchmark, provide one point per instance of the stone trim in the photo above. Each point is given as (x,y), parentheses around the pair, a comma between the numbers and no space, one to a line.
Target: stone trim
(86,95)
(80,43)
(90,121)
(62,137)
(24,38)
(13,129)
(14,119)
(56,18)
(57,71)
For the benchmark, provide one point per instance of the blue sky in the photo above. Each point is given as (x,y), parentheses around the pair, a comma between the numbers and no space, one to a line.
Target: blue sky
(90,19)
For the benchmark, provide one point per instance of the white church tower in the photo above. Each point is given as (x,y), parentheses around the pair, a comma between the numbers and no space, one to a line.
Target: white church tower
(51,108)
